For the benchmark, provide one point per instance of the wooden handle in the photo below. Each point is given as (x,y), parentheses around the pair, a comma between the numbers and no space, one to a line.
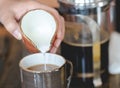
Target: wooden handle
(51,3)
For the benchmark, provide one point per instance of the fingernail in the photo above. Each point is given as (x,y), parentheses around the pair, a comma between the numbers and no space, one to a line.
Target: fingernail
(53,50)
(17,35)
(57,42)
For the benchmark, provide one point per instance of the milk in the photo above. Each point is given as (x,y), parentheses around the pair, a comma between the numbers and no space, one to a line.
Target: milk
(39,27)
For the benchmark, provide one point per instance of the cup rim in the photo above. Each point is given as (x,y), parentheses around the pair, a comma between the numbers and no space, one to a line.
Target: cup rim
(33,71)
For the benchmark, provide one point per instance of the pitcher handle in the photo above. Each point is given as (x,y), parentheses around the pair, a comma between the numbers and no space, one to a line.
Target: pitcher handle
(71,73)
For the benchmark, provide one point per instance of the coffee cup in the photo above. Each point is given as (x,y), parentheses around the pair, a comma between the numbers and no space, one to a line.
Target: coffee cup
(45,71)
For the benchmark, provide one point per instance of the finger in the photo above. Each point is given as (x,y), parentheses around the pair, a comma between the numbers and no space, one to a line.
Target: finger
(55,45)
(62,29)
(11,26)
(53,50)
(60,33)
(59,37)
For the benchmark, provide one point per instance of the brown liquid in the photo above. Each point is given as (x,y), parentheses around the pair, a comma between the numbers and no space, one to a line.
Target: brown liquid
(41,67)
(82,59)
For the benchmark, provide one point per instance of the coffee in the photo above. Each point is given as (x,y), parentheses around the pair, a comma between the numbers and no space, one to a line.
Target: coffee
(82,59)
(43,67)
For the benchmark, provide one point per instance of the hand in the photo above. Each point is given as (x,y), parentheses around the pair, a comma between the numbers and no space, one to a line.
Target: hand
(11,12)
(59,36)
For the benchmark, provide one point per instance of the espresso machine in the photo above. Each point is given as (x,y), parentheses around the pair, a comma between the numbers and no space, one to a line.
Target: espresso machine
(86,40)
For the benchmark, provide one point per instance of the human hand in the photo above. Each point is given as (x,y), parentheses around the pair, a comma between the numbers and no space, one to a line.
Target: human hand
(59,36)
(11,12)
